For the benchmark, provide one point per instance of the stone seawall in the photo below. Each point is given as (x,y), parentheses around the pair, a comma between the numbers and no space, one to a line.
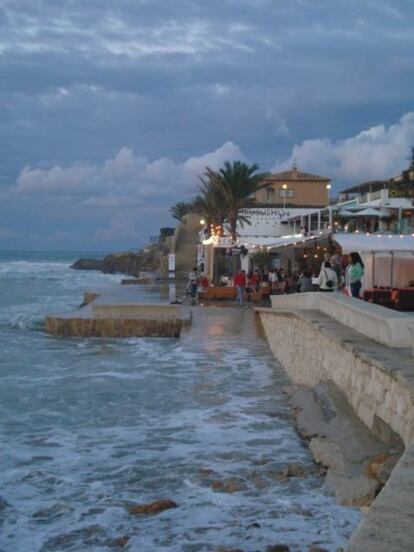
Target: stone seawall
(377,381)
(112,327)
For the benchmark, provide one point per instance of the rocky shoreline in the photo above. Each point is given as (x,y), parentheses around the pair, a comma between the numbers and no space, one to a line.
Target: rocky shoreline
(150,259)
(358,462)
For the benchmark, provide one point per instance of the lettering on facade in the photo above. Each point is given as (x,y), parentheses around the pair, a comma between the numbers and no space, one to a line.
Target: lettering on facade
(266,212)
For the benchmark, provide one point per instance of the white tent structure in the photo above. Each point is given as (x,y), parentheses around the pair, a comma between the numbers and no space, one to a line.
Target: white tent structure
(388,259)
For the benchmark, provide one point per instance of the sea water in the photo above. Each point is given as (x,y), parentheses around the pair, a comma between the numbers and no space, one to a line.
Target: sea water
(91,426)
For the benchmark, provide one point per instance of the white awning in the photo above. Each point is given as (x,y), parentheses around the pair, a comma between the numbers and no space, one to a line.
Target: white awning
(374,242)
(370,212)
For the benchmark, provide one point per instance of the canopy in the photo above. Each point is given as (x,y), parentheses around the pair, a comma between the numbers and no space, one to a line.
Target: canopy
(371,213)
(374,242)
(345,213)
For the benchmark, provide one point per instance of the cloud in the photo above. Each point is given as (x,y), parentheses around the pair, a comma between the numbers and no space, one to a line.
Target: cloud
(375,153)
(126,180)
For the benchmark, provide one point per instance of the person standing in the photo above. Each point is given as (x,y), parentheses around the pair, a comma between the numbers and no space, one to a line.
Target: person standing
(328,279)
(240,284)
(305,282)
(192,280)
(356,273)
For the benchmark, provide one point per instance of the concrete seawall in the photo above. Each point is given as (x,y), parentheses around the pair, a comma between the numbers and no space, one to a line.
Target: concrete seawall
(115,312)
(378,382)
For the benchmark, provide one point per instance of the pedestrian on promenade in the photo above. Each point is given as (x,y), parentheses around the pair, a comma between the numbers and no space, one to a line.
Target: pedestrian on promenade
(192,281)
(327,280)
(356,273)
(336,265)
(240,284)
(305,282)
(273,281)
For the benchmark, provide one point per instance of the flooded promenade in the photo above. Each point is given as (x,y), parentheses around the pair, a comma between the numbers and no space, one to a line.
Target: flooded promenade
(91,427)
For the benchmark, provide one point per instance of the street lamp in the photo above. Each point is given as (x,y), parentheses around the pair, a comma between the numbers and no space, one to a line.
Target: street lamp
(328,187)
(284,188)
(202,222)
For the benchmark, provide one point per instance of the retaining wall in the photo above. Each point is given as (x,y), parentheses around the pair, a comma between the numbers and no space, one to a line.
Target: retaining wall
(313,347)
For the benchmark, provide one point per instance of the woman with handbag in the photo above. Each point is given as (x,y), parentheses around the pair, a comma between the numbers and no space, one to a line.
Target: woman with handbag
(328,278)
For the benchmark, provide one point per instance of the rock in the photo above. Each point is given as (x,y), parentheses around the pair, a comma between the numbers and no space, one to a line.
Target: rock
(381,466)
(118,542)
(152,508)
(352,490)
(206,472)
(227,549)
(3,504)
(88,264)
(254,525)
(358,462)
(327,453)
(278,548)
(229,485)
(291,470)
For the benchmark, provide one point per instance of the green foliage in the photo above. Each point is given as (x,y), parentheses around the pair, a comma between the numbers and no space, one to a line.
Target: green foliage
(234,186)
(180,209)
(166,231)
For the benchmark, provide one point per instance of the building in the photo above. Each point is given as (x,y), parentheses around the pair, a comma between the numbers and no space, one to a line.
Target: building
(378,205)
(294,189)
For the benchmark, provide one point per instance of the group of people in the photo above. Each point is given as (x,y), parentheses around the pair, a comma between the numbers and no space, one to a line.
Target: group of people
(276,280)
(336,273)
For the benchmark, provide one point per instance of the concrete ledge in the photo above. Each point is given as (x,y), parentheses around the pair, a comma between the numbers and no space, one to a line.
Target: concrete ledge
(148,311)
(391,328)
(388,526)
(112,327)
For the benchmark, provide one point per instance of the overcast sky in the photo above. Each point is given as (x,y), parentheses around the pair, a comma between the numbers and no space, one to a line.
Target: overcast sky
(111,109)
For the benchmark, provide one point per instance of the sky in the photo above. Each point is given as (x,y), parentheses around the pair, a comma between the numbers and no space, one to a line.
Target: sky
(110,111)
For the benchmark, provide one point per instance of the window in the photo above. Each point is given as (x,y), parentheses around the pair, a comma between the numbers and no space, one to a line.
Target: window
(270,194)
(286,193)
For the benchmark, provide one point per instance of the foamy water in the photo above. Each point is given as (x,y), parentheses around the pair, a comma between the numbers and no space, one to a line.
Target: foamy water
(90,426)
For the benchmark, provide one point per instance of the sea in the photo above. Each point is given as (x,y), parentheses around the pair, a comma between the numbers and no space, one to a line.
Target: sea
(90,427)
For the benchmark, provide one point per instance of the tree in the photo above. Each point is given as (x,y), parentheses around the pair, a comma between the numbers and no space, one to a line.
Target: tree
(180,209)
(209,203)
(236,183)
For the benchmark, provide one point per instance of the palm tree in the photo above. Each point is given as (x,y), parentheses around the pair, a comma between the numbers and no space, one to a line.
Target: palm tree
(237,183)
(210,202)
(180,209)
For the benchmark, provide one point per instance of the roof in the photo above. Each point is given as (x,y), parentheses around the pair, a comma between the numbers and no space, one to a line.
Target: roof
(374,185)
(294,174)
(369,186)
(374,242)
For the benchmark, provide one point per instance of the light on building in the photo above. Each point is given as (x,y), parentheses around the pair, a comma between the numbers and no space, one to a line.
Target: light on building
(202,222)
(284,186)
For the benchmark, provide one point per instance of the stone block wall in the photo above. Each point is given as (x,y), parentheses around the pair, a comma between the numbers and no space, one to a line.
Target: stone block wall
(312,351)
(112,327)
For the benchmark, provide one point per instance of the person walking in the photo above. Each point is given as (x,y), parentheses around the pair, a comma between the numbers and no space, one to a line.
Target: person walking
(328,279)
(356,273)
(192,282)
(240,284)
